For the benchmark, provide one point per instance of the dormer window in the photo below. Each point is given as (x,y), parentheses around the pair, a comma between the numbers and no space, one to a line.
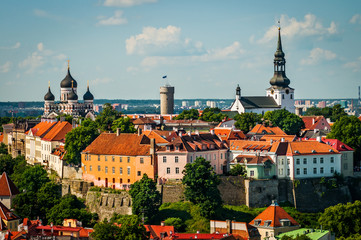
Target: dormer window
(257,222)
(168,148)
(267,223)
(177,148)
(285,222)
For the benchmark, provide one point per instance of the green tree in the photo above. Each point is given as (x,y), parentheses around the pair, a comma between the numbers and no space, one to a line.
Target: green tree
(342,219)
(33,179)
(4,120)
(348,130)
(238,170)
(187,115)
(106,118)
(176,222)
(200,182)
(106,231)
(48,196)
(356,236)
(25,205)
(124,124)
(212,115)
(145,197)
(337,113)
(68,118)
(7,164)
(290,123)
(3,148)
(78,139)
(246,121)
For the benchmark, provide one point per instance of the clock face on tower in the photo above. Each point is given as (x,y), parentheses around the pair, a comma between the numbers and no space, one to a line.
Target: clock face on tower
(287,91)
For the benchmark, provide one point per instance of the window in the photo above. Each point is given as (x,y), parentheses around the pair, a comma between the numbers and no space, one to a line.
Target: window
(221,155)
(106,169)
(314,170)
(121,180)
(90,168)
(191,159)
(141,160)
(332,169)
(291,96)
(283,96)
(332,160)
(345,166)
(139,173)
(288,161)
(84,168)
(288,172)
(120,170)
(128,170)
(280,171)
(321,160)
(297,171)
(90,157)
(315,160)
(98,157)
(305,171)
(98,168)
(305,161)
(298,161)
(177,148)
(164,159)
(120,159)
(214,167)
(113,158)
(177,170)
(176,159)
(251,173)
(215,156)
(321,170)
(106,158)
(113,170)
(281,161)
(128,159)
(168,170)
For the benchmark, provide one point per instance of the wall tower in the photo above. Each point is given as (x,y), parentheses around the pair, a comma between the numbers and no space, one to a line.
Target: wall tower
(166,99)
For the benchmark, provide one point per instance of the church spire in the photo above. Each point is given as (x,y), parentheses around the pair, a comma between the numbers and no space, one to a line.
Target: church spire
(279,78)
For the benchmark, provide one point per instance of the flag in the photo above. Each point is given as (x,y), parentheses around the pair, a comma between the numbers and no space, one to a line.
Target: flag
(165,76)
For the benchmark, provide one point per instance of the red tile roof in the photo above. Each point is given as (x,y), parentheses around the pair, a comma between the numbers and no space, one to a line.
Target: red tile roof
(1,137)
(241,145)
(143,121)
(7,187)
(156,230)
(253,160)
(58,132)
(359,117)
(272,217)
(42,128)
(6,214)
(312,122)
(59,151)
(337,144)
(126,144)
(203,236)
(309,148)
(159,136)
(260,129)
(229,134)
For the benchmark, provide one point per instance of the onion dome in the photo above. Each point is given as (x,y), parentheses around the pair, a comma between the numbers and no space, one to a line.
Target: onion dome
(72,95)
(88,95)
(49,96)
(68,80)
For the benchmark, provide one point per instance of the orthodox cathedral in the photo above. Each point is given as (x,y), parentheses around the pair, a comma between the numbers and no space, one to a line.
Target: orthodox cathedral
(69,103)
(279,95)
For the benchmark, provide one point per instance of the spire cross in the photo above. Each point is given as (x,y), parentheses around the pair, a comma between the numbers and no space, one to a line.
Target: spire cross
(279,24)
(88,84)
(68,63)
(49,84)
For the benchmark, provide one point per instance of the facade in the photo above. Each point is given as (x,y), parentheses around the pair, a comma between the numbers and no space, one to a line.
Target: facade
(185,148)
(273,221)
(278,96)
(56,161)
(8,190)
(166,99)
(69,103)
(119,160)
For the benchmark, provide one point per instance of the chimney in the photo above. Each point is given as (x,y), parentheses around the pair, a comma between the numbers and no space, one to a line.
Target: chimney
(139,131)
(118,131)
(229,226)
(282,139)
(189,133)
(152,146)
(313,121)
(318,138)
(197,132)
(212,131)
(179,133)
(162,223)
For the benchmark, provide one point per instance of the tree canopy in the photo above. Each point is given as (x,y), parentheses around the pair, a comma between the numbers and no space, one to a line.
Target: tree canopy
(78,139)
(124,124)
(289,122)
(342,219)
(348,130)
(200,182)
(238,170)
(334,113)
(187,115)
(212,115)
(145,197)
(246,121)
(106,117)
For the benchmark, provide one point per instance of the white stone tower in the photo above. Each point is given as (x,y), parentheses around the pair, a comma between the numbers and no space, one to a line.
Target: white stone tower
(166,99)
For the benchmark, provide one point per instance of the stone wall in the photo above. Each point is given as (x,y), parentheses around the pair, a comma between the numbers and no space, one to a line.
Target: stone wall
(105,204)
(232,189)
(72,172)
(171,192)
(260,193)
(77,187)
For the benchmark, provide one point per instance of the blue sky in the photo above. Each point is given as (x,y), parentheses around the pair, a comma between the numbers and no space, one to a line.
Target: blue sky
(205,47)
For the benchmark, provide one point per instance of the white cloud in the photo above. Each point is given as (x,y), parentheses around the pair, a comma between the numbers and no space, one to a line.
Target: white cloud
(98,81)
(126,3)
(5,67)
(43,14)
(17,45)
(39,58)
(117,19)
(354,65)
(233,51)
(356,19)
(162,42)
(317,55)
(310,26)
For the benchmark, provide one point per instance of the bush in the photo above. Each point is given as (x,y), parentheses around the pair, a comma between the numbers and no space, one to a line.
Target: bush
(177,223)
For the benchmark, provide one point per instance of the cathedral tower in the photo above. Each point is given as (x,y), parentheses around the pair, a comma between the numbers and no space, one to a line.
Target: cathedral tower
(280,90)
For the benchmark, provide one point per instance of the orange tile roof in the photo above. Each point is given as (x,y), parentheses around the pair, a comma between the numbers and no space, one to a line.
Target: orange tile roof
(229,134)
(287,138)
(311,122)
(7,187)
(309,148)
(6,214)
(359,117)
(156,230)
(85,232)
(58,132)
(159,136)
(126,144)
(1,138)
(142,121)
(253,159)
(275,214)
(260,129)
(60,151)
(42,128)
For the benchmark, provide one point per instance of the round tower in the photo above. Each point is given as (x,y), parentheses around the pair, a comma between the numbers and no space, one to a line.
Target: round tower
(166,100)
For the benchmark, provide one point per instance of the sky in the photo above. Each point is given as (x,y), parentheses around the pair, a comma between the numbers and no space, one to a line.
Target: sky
(204,47)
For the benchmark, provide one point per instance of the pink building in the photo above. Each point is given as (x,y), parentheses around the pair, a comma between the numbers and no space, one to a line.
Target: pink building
(184,149)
